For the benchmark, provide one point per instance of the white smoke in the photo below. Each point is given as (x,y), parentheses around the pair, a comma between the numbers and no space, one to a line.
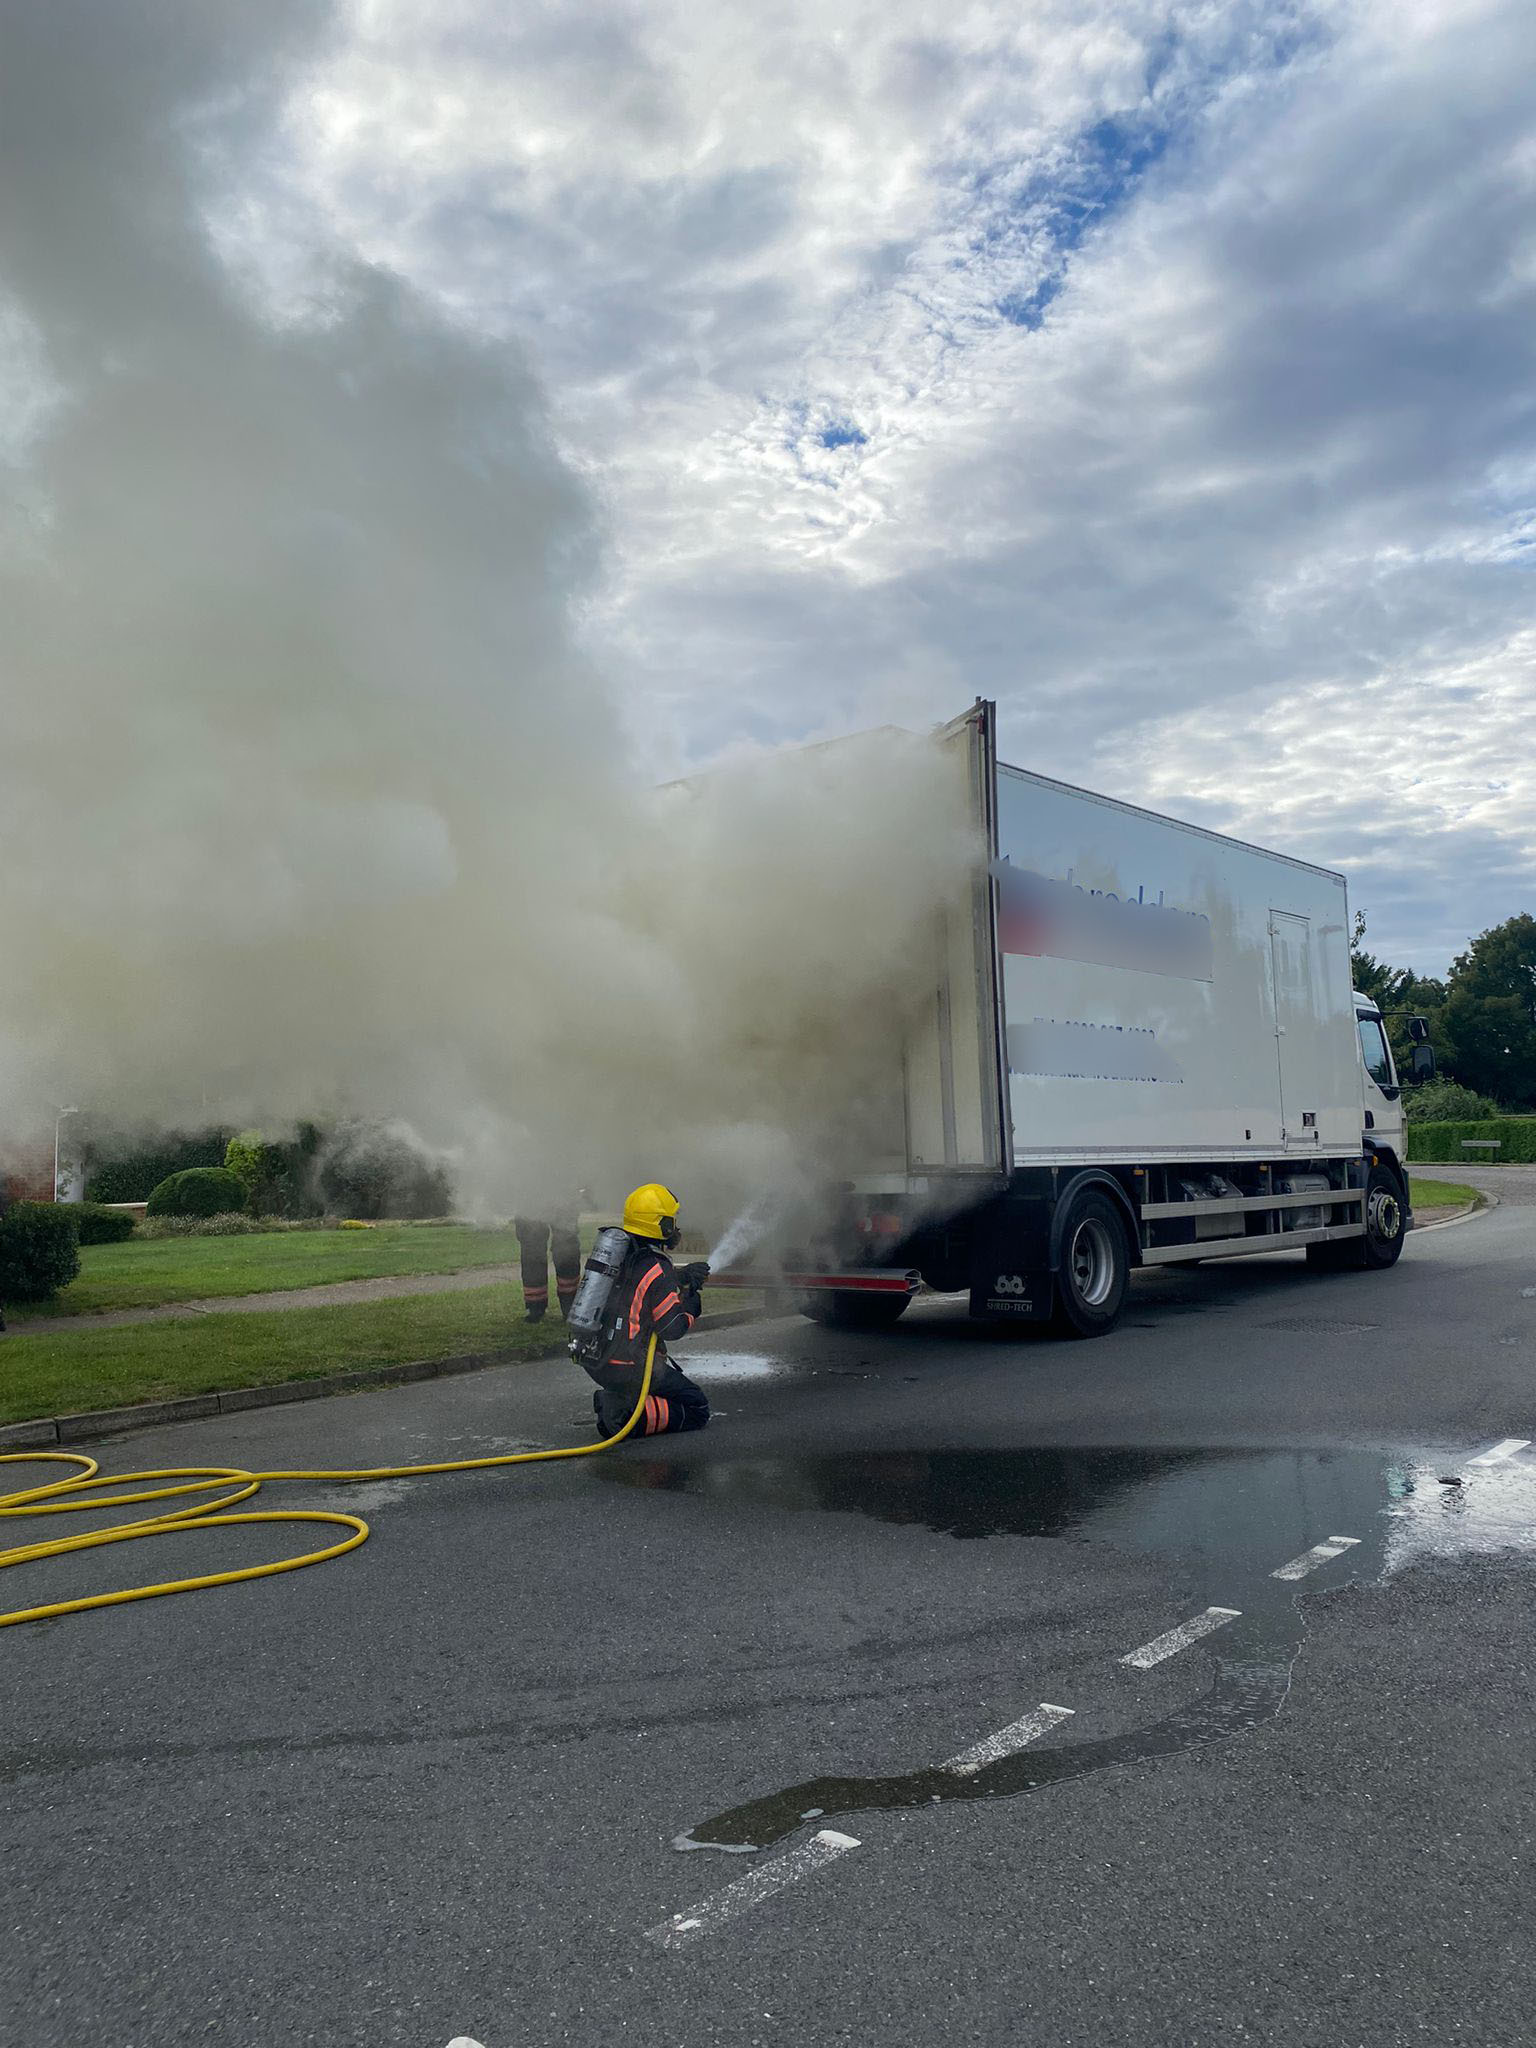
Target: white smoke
(309,805)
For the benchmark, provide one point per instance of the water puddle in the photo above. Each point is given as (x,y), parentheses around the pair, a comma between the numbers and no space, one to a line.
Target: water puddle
(1226,1520)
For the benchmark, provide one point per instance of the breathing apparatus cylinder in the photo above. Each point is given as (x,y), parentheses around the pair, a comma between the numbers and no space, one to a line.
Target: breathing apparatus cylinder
(592,1304)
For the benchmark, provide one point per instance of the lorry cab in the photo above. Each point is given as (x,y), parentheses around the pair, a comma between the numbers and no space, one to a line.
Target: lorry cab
(1381,1089)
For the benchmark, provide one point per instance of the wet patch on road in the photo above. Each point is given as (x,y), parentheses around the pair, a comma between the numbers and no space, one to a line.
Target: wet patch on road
(714,1367)
(1228,1521)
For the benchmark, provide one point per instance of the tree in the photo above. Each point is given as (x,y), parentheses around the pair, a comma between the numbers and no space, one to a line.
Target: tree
(1490,1013)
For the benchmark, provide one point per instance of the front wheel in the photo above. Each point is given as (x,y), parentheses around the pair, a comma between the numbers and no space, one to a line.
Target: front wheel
(1095,1268)
(1386,1225)
(1386,1219)
(843,1309)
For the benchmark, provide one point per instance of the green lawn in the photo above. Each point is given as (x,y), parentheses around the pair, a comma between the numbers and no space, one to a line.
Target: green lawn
(144,1272)
(58,1372)
(63,1370)
(1441,1194)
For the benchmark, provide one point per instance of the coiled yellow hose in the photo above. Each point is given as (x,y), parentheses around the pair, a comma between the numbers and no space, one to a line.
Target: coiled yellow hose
(67,1496)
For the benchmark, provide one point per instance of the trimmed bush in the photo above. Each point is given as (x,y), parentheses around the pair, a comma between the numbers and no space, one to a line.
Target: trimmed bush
(199,1191)
(102,1226)
(39,1250)
(1440,1144)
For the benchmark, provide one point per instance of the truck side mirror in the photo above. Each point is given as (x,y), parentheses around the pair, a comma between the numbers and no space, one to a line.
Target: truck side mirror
(1418,1030)
(1422,1064)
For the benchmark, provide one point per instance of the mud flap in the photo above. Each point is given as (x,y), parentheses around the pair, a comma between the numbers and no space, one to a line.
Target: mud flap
(1010,1265)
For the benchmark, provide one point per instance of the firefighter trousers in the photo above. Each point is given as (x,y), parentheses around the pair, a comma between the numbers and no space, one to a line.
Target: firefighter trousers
(537,1243)
(673,1404)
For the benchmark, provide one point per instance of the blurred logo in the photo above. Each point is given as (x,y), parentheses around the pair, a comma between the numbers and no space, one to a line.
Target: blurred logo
(1063,920)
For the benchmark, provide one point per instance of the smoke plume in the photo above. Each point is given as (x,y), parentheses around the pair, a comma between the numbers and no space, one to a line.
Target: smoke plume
(310,804)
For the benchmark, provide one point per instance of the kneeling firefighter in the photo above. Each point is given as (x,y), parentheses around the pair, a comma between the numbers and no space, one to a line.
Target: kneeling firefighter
(630,1290)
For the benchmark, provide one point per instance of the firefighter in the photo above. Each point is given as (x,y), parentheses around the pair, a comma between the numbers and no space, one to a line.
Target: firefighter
(539,1241)
(652,1295)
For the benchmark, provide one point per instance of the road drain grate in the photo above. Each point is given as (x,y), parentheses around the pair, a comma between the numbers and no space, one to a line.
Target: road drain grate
(1320,1326)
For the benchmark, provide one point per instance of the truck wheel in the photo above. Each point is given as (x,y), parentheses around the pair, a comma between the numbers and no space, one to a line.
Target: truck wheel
(1386,1225)
(1386,1219)
(838,1310)
(1095,1268)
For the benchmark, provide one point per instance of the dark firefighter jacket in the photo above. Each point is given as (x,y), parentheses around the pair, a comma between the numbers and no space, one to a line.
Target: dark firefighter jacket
(649,1299)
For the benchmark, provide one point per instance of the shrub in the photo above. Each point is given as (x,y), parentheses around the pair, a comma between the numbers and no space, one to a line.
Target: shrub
(132,1175)
(369,1171)
(199,1191)
(102,1226)
(39,1250)
(1440,1144)
(276,1177)
(247,1157)
(235,1223)
(1438,1102)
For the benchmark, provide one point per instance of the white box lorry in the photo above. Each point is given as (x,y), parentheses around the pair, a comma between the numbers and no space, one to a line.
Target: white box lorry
(1143,1049)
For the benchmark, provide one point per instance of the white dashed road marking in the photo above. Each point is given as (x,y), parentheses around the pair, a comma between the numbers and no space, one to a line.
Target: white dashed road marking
(1008,1739)
(1180,1638)
(1502,1452)
(823,1848)
(1320,1553)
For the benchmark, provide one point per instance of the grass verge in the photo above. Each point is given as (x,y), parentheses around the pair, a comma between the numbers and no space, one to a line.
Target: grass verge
(61,1371)
(1441,1194)
(145,1272)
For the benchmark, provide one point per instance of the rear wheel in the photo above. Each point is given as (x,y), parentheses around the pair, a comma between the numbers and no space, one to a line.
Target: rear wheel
(846,1310)
(1095,1268)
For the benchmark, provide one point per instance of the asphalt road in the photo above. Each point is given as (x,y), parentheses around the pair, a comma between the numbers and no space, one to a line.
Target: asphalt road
(431,1791)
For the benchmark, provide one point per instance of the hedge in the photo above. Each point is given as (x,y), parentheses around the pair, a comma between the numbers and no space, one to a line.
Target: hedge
(132,1176)
(102,1226)
(199,1191)
(39,1250)
(1440,1144)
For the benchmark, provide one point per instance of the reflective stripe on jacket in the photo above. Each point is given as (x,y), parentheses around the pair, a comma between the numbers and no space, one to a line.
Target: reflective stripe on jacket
(650,1300)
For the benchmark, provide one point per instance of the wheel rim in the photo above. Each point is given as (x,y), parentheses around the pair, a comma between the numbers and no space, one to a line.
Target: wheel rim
(1384,1216)
(1091,1262)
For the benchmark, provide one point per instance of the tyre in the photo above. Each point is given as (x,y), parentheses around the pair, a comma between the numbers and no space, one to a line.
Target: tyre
(1095,1268)
(1386,1219)
(849,1311)
(1386,1225)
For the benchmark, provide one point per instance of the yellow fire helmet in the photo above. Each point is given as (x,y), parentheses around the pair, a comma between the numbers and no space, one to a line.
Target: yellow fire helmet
(651,1213)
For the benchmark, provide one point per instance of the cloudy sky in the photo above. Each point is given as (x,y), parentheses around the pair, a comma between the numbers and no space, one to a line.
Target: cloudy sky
(1162,368)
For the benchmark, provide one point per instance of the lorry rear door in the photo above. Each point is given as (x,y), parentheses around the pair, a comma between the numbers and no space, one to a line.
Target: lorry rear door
(953,1072)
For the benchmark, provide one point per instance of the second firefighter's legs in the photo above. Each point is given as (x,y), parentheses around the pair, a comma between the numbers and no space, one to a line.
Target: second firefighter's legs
(565,1250)
(533,1249)
(673,1404)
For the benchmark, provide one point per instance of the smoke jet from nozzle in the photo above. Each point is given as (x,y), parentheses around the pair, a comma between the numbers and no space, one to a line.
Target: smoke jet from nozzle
(750,1229)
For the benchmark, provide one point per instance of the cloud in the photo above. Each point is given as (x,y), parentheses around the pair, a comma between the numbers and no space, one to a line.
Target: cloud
(1161,370)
